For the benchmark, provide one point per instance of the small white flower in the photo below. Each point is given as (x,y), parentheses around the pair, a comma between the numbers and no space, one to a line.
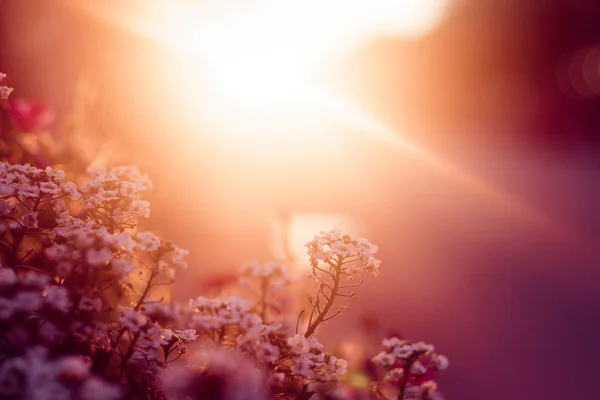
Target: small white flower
(267,352)
(395,374)
(98,258)
(417,368)
(429,387)
(251,323)
(30,220)
(338,365)
(123,240)
(131,319)
(7,190)
(28,191)
(424,347)
(147,241)
(403,352)
(187,335)
(301,366)
(441,362)
(50,188)
(4,90)
(122,268)
(73,366)
(58,298)
(356,254)
(70,189)
(140,208)
(391,343)
(384,359)
(166,336)
(298,344)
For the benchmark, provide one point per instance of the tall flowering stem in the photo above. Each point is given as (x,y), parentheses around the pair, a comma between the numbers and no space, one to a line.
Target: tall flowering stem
(322,314)
(336,259)
(264,281)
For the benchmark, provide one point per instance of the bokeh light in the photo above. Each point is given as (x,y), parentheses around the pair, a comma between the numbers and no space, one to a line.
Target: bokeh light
(579,73)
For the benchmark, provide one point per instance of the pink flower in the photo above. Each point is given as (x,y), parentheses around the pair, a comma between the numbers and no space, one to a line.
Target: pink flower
(30,116)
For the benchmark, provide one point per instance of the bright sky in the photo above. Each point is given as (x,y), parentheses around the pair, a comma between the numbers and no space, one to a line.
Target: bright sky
(263,56)
(265,52)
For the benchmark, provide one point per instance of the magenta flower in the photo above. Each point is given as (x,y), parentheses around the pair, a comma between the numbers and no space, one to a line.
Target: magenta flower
(31,116)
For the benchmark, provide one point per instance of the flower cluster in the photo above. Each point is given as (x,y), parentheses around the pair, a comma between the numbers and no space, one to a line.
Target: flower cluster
(353,255)
(162,256)
(35,195)
(216,315)
(268,283)
(66,266)
(81,317)
(78,283)
(38,375)
(274,273)
(336,259)
(409,370)
(113,196)
(310,362)
(217,373)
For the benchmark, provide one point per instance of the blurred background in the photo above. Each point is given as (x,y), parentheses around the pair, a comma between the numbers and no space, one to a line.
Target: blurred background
(460,136)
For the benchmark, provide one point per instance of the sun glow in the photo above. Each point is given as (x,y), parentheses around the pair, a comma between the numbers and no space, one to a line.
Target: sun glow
(267,54)
(264,58)
(271,55)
